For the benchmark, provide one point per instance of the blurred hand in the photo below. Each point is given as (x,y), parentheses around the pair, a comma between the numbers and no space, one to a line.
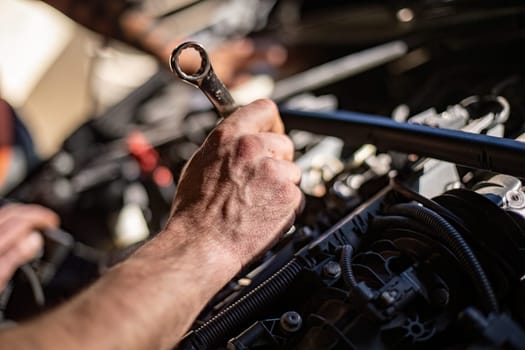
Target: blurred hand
(232,61)
(19,241)
(239,192)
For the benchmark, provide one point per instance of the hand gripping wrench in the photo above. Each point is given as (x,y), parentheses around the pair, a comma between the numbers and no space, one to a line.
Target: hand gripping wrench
(205,79)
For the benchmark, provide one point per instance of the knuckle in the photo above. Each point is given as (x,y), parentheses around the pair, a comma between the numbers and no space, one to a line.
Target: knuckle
(269,167)
(293,168)
(17,226)
(289,143)
(248,146)
(290,192)
(267,105)
(35,209)
(284,147)
(222,134)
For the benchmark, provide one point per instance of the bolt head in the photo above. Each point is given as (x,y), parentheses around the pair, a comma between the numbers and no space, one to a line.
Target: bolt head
(291,321)
(515,199)
(332,270)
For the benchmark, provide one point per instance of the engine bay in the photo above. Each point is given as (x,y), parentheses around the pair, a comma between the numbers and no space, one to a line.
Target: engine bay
(413,231)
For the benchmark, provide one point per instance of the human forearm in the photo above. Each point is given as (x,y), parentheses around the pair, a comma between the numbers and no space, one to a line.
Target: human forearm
(235,197)
(163,294)
(101,16)
(122,20)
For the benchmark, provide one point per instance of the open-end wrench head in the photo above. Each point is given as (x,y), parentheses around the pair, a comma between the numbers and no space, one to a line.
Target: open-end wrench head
(194,78)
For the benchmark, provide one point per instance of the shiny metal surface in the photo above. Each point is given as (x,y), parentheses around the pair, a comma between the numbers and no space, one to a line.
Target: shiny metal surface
(205,79)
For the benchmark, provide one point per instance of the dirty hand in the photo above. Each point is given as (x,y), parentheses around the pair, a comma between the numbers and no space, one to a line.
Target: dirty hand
(239,192)
(232,61)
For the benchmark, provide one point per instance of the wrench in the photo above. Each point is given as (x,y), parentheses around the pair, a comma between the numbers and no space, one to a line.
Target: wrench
(204,79)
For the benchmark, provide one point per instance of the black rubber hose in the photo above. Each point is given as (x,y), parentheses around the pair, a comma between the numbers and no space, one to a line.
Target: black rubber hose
(346,266)
(381,223)
(221,325)
(450,236)
(34,282)
(429,203)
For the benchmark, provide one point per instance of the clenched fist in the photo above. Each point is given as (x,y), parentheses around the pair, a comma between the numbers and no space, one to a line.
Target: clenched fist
(239,192)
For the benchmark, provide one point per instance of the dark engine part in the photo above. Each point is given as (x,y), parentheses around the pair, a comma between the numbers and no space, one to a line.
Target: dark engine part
(402,271)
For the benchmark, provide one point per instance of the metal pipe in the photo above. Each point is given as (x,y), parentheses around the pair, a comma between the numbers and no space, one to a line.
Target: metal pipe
(339,69)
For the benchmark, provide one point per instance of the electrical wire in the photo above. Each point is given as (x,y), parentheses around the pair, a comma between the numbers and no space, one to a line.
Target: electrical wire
(34,282)
(429,203)
(444,231)
(346,266)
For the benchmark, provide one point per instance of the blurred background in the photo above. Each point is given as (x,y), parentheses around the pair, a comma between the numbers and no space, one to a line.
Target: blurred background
(57,73)
(47,70)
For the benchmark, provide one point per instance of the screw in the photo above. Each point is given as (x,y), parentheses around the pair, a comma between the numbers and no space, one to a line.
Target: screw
(332,270)
(515,199)
(291,321)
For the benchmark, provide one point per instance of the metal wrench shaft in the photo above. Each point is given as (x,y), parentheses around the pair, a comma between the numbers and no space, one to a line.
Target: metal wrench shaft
(205,79)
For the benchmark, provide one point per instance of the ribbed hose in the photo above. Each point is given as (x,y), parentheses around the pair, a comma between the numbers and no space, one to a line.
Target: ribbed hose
(382,223)
(450,236)
(242,310)
(430,204)
(346,266)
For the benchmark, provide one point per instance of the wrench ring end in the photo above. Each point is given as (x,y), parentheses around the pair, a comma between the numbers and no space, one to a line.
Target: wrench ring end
(201,73)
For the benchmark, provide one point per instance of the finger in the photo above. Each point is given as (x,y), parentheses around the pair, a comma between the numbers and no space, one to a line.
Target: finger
(300,207)
(21,253)
(244,47)
(243,52)
(277,146)
(9,210)
(281,170)
(38,216)
(12,231)
(25,250)
(239,78)
(234,52)
(276,55)
(296,202)
(259,116)
(255,146)
(273,55)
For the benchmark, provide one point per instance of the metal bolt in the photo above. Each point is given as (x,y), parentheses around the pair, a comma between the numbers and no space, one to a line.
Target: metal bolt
(305,231)
(332,270)
(515,199)
(291,321)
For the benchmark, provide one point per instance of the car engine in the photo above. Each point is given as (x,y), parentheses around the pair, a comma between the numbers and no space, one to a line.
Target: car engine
(408,131)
